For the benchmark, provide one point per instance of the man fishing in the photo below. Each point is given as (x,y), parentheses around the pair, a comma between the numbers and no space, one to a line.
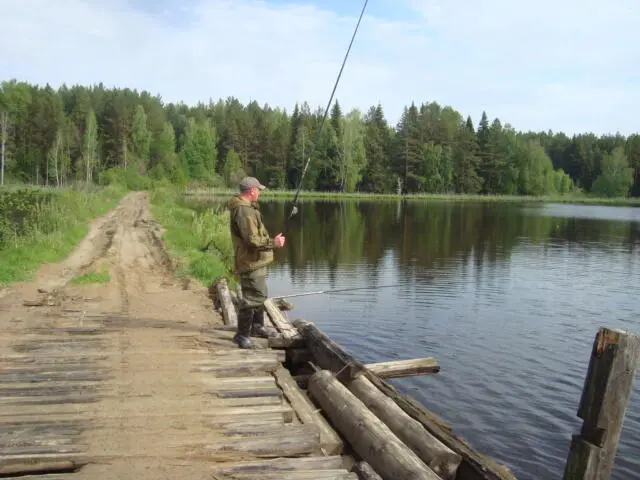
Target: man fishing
(253,251)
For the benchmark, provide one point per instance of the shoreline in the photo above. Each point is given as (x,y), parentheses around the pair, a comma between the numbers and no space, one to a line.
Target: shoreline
(289,194)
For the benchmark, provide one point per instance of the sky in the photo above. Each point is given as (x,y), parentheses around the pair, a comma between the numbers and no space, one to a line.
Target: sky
(564,65)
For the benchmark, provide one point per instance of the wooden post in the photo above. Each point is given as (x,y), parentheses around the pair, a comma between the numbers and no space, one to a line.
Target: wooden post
(229,314)
(607,388)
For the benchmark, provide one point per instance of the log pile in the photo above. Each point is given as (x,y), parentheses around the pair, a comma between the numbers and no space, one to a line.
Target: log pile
(355,411)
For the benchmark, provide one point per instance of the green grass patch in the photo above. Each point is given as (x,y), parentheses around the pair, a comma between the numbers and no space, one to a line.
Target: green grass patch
(575,198)
(88,278)
(44,225)
(188,231)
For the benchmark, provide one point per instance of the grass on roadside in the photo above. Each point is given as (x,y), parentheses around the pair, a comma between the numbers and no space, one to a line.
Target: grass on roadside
(93,277)
(187,231)
(40,226)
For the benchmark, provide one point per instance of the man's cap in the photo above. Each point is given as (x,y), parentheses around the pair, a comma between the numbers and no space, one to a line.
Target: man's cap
(250,182)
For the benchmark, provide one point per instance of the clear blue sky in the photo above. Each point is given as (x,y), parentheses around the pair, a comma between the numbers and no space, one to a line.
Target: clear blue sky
(569,66)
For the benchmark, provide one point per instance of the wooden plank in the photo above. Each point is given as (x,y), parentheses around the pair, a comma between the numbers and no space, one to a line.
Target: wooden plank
(46,467)
(339,474)
(251,401)
(404,368)
(607,389)
(280,464)
(292,441)
(330,441)
(440,458)
(238,354)
(371,439)
(229,314)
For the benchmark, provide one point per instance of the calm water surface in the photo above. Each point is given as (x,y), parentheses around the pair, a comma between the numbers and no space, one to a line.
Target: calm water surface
(507,297)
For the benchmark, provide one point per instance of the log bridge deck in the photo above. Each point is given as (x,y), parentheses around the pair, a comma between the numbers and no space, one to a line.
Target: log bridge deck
(80,403)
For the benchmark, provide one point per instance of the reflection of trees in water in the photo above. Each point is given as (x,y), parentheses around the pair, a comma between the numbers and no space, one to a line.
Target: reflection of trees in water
(329,234)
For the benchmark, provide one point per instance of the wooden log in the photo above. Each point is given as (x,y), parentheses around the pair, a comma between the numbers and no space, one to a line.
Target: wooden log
(299,475)
(229,314)
(327,354)
(607,388)
(365,471)
(330,441)
(298,355)
(440,458)
(404,368)
(370,438)
(38,468)
(280,465)
(286,342)
(331,356)
(474,465)
(279,320)
(292,441)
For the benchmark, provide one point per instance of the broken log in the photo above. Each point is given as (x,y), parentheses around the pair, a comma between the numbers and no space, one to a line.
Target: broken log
(281,323)
(229,314)
(404,368)
(440,458)
(330,442)
(370,438)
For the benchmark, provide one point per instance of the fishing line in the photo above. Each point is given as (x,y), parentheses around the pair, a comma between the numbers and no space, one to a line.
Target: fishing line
(294,209)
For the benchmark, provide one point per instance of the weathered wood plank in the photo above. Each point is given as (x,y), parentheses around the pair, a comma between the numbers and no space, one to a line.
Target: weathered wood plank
(338,474)
(298,440)
(329,440)
(440,458)
(607,388)
(38,468)
(370,438)
(404,368)
(280,465)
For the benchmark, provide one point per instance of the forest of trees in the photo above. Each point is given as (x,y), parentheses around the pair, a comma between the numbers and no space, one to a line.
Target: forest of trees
(58,137)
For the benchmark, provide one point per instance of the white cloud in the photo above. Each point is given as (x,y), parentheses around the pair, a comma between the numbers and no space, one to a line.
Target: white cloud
(561,65)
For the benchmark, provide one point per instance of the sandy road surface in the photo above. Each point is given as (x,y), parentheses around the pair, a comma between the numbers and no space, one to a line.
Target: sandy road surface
(121,355)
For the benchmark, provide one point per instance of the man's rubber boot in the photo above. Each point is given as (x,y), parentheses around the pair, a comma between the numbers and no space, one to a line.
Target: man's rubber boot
(258,329)
(243,332)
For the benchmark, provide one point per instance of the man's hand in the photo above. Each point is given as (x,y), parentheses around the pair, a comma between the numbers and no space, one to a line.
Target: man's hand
(279,240)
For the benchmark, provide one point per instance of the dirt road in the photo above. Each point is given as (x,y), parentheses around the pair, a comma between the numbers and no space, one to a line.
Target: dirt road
(118,372)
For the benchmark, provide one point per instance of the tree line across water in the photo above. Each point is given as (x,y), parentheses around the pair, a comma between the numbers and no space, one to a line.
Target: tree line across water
(91,134)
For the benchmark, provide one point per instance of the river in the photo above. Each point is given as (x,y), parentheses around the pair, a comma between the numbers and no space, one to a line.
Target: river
(507,297)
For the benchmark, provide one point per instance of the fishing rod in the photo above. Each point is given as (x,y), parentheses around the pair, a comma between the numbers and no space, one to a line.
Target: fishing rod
(294,208)
(334,291)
